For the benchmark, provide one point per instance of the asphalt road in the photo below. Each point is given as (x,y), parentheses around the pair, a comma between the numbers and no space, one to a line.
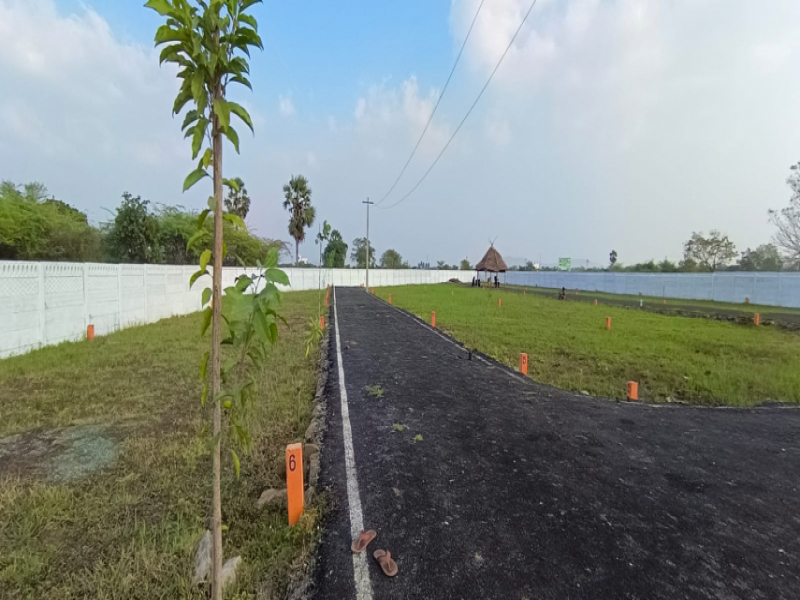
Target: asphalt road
(520,491)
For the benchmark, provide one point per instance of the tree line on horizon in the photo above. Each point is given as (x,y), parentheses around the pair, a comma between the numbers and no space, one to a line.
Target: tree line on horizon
(36,226)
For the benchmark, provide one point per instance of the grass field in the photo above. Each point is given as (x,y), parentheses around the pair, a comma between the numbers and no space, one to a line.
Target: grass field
(701,305)
(129,529)
(694,360)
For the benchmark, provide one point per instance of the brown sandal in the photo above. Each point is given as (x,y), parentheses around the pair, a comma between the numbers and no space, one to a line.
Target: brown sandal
(363,540)
(384,558)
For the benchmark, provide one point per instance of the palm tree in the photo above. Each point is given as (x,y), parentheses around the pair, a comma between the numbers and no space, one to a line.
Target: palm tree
(297,199)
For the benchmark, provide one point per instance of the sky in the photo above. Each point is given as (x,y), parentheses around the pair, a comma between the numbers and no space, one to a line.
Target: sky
(610,124)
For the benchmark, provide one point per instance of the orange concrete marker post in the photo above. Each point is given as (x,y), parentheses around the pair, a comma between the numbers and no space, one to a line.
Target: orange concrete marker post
(390,298)
(433,319)
(633,391)
(322,322)
(523,363)
(756,319)
(90,332)
(595,301)
(500,302)
(608,322)
(294,481)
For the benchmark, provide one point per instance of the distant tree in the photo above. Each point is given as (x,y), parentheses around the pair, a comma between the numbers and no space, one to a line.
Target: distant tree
(645,267)
(764,258)
(612,258)
(667,266)
(443,266)
(359,254)
(688,265)
(787,220)
(710,252)
(335,253)
(35,227)
(465,266)
(297,199)
(391,259)
(238,202)
(133,236)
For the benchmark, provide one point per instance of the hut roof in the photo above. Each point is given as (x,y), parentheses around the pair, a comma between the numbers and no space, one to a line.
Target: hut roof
(492,262)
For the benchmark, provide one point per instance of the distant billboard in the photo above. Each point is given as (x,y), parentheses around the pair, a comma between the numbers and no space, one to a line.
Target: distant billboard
(564,264)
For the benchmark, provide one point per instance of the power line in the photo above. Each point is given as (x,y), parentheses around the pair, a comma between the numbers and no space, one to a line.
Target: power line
(444,89)
(483,89)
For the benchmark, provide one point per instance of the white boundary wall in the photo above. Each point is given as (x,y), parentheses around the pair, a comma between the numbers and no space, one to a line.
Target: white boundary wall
(772,289)
(45,303)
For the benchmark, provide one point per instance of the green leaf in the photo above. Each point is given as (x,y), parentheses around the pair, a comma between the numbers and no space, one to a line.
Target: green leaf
(197,86)
(199,135)
(242,81)
(207,158)
(231,183)
(223,111)
(250,20)
(240,112)
(165,34)
(235,462)
(195,276)
(204,361)
(204,397)
(201,219)
(212,202)
(206,321)
(193,178)
(235,220)
(204,258)
(190,118)
(163,7)
(277,276)
(195,237)
(248,3)
(272,258)
(206,296)
(230,132)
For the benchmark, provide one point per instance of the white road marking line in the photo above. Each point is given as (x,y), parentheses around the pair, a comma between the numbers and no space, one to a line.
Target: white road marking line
(360,570)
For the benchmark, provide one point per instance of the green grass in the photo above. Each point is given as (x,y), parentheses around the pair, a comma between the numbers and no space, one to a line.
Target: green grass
(695,360)
(130,530)
(708,305)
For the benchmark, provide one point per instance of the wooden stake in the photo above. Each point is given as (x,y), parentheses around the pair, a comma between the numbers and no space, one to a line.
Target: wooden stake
(756,319)
(433,319)
(294,481)
(608,322)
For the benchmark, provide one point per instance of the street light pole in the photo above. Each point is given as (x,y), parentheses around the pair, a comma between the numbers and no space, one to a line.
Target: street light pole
(367,202)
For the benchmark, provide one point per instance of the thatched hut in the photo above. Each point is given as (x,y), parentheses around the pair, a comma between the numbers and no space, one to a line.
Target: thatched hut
(492,262)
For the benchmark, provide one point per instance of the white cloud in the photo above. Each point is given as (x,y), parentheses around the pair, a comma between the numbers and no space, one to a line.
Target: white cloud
(400,114)
(642,110)
(286,107)
(78,105)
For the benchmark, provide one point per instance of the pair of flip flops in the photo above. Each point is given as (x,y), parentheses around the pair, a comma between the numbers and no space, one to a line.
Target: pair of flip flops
(384,557)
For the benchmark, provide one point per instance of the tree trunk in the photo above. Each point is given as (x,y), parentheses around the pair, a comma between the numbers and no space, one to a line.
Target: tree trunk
(296,253)
(216,354)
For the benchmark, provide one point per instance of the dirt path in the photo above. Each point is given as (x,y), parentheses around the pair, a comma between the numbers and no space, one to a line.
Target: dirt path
(520,491)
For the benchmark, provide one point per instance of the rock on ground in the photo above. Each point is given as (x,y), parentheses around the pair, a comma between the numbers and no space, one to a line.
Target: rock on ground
(202,559)
(229,570)
(271,497)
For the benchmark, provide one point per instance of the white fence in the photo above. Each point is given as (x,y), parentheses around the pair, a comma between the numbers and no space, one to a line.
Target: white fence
(44,303)
(772,289)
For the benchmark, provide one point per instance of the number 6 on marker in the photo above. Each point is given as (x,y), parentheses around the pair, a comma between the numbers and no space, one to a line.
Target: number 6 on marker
(294,481)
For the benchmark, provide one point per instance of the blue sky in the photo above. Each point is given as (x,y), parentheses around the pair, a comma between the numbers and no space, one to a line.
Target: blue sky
(622,124)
